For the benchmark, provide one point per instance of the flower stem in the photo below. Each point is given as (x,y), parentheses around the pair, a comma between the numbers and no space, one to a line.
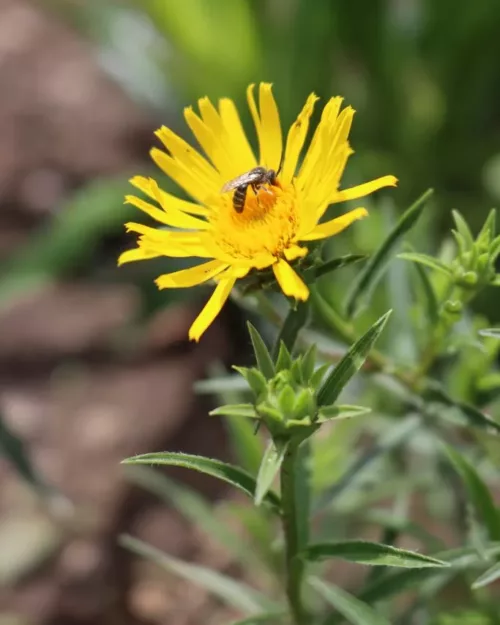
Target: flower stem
(294,539)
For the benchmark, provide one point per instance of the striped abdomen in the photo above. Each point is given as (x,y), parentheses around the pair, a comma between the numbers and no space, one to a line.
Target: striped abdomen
(239,197)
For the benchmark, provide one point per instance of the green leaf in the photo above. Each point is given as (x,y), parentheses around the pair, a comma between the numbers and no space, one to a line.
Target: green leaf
(463,228)
(262,355)
(369,276)
(232,593)
(432,305)
(488,230)
(341,411)
(269,467)
(223,471)
(284,359)
(491,332)
(308,362)
(256,381)
(235,410)
(394,582)
(337,263)
(295,320)
(374,554)
(488,577)
(428,261)
(351,362)
(355,611)
(474,417)
(478,492)
(318,375)
(194,507)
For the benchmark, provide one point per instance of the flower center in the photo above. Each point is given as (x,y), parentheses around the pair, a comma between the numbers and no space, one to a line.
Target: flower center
(268,223)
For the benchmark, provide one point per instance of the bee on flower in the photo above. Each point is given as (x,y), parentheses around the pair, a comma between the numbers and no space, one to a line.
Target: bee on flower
(246,213)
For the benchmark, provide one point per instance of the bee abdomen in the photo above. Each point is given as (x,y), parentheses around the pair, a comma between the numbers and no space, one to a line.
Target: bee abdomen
(239,198)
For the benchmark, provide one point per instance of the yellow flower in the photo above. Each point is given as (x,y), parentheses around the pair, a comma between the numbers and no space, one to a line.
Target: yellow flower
(276,219)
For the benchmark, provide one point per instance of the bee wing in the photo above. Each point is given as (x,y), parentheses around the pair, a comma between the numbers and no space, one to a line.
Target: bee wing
(245,179)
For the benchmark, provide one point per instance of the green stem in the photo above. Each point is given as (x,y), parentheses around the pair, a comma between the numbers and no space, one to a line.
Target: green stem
(293,538)
(295,320)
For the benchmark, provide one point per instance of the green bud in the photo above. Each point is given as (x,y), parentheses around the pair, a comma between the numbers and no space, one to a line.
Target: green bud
(305,405)
(483,262)
(468,279)
(466,260)
(256,381)
(286,402)
(453,307)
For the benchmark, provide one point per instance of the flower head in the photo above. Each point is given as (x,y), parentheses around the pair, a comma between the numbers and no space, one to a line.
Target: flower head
(276,220)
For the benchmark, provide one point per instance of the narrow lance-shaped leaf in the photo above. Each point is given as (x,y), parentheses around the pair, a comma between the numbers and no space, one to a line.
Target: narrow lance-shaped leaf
(350,363)
(341,411)
(432,305)
(355,611)
(222,470)
(488,577)
(269,467)
(474,417)
(478,492)
(428,261)
(262,355)
(235,410)
(232,593)
(373,554)
(336,263)
(396,581)
(463,228)
(374,268)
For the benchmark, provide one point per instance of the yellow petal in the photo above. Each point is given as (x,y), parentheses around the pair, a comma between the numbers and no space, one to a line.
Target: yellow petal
(172,218)
(241,151)
(190,158)
(211,309)
(295,251)
(295,139)
(181,175)
(255,114)
(334,226)
(211,142)
(190,277)
(289,281)
(270,139)
(364,189)
(138,253)
(320,140)
(149,187)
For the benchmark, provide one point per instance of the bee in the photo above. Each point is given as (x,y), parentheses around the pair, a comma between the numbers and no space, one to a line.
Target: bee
(255,178)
